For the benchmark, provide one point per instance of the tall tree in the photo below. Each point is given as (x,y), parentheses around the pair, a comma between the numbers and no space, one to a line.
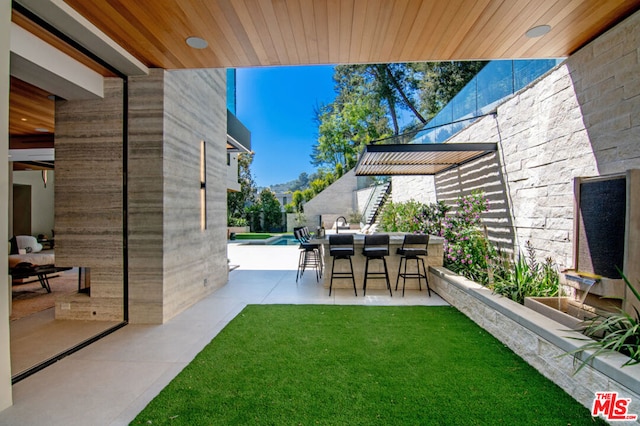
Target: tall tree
(238,201)
(370,99)
(438,82)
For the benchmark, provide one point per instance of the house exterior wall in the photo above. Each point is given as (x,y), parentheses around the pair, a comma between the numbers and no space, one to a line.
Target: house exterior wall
(173,262)
(89,200)
(195,260)
(232,173)
(146,196)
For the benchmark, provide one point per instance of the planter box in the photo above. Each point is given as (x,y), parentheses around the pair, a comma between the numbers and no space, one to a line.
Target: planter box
(540,341)
(556,308)
(236,230)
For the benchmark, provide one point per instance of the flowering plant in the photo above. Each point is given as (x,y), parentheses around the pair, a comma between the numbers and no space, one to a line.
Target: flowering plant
(466,249)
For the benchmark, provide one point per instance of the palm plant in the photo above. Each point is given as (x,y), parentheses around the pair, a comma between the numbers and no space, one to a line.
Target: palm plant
(617,332)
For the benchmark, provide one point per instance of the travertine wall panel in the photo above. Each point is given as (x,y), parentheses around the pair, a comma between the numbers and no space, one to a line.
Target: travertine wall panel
(194,259)
(146,186)
(173,262)
(89,194)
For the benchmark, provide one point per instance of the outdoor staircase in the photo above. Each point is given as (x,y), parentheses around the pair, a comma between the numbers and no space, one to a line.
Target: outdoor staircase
(376,202)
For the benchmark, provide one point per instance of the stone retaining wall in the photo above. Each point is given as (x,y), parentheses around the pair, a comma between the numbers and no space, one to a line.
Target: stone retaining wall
(539,340)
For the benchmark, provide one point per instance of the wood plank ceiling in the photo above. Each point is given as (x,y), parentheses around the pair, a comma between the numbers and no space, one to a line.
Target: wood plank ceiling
(244,33)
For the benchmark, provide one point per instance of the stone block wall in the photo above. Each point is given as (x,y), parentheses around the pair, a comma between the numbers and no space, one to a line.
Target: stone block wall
(580,119)
(419,188)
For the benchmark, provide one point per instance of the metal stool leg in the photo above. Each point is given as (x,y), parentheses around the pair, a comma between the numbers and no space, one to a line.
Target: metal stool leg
(366,270)
(398,276)
(353,277)
(426,277)
(386,275)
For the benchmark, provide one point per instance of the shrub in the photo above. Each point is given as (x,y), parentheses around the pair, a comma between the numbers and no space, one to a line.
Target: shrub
(413,217)
(237,221)
(467,250)
(619,332)
(528,278)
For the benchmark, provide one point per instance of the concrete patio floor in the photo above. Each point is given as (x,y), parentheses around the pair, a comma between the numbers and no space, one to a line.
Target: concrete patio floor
(112,380)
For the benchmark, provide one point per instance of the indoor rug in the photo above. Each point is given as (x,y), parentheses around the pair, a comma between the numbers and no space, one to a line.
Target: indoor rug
(30,298)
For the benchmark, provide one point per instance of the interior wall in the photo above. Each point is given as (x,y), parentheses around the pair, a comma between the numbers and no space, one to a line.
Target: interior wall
(89,199)
(5,296)
(42,199)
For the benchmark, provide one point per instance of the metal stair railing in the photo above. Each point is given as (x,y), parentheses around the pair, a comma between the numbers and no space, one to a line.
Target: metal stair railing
(377,198)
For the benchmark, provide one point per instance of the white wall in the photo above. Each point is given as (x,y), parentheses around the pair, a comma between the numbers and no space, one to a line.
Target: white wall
(232,172)
(5,299)
(419,188)
(42,199)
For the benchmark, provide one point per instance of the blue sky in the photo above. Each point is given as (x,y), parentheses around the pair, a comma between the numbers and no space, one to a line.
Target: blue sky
(277,105)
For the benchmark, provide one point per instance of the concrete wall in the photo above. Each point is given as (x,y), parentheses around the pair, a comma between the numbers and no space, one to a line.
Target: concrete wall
(419,188)
(42,199)
(338,199)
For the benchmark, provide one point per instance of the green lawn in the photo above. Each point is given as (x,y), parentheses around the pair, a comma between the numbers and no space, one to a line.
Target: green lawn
(359,365)
(253,236)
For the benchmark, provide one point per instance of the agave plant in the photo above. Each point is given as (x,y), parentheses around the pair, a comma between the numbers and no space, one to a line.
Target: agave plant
(618,332)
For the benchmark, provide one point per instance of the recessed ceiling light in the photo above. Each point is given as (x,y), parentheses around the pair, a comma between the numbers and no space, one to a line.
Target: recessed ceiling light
(538,31)
(41,130)
(23,119)
(197,42)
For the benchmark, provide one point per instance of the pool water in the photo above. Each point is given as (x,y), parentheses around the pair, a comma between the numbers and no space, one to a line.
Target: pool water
(285,240)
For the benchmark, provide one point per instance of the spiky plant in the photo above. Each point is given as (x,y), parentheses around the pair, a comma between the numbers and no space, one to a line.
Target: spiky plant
(618,332)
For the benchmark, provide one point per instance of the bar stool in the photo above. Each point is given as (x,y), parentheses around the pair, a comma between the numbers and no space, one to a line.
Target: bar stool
(341,247)
(413,247)
(309,255)
(376,247)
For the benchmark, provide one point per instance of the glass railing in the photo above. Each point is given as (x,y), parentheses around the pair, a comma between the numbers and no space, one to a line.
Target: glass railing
(496,81)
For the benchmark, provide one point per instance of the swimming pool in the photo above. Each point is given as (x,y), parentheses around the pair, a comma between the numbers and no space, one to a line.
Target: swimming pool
(284,240)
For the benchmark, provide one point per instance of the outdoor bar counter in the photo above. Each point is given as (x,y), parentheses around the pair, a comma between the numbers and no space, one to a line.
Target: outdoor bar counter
(434,258)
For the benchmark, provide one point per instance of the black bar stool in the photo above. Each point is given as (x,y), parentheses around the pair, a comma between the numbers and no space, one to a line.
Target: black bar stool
(413,247)
(309,255)
(341,247)
(376,247)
